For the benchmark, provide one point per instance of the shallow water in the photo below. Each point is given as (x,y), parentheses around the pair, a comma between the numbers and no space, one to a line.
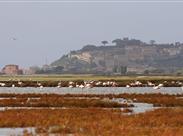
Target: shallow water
(15,131)
(95,90)
(142,107)
(138,107)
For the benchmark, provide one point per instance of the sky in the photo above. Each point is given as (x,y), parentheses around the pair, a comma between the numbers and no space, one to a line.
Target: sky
(35,33)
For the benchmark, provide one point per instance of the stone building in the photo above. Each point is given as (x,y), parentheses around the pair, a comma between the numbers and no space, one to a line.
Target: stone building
(12,70)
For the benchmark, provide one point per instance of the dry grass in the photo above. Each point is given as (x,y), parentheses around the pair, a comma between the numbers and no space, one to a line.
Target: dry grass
(61,102)
(75,77)
(88,100)
(161,122)
(160,100)
(94,121)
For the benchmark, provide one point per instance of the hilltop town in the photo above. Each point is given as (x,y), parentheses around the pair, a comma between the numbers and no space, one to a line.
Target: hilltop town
(123,56)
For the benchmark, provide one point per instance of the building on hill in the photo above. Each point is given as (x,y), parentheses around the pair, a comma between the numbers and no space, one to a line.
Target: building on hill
(127,56)
(12,70)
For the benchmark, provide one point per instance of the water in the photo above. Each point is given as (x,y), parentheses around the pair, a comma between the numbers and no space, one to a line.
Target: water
(138,107)
(15,131)
(95,90)
(142,107)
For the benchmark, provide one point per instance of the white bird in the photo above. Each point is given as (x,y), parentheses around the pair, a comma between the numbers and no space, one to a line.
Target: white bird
(77,85)
(98,83)
(41,87)
(138,83)
(156,87)
(70,86)
(114,84)
(2,84)
(13,85)
(19,83)
(88,86)
(81,86)
(39,84)
(70,83)
(60,83)
(58,86)
(127,86)
(104,83)
(160,85)
(150,83)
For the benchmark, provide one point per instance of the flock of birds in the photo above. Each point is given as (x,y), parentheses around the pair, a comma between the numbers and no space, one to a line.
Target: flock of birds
(91,84)
(150,84)
(71,84)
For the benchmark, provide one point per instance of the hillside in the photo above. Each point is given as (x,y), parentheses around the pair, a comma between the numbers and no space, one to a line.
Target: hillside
(123,56)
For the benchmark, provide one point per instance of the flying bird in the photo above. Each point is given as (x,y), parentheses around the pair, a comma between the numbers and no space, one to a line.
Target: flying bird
(13,38)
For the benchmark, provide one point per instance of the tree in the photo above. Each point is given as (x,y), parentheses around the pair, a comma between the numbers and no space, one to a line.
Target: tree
(152,42)
(104,42)
(89,47)
(117,41)
(177,43)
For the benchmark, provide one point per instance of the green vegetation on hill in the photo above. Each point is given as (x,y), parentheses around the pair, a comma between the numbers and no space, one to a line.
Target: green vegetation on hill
(124,56)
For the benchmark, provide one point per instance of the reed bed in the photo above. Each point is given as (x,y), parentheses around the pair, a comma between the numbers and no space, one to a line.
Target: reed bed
(92,121)
(60,102)
(164,100)
(94,114)
(29,95)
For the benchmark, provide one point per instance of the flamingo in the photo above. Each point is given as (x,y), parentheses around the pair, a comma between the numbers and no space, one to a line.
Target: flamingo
(114,84)
(71,83)
(160,85)
(98,83)
(41,87)
(39,84)
(59,84)
(150,83)
(71,86)
(2,84)
(20,83)
(138,83)
(77,85)
(156,87)
(88,85)
(104,83)
(81,86)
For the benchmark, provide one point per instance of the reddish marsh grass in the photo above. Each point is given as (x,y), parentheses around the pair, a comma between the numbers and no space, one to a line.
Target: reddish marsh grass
(164,100)
(94,121)
(61,102)
(161,122)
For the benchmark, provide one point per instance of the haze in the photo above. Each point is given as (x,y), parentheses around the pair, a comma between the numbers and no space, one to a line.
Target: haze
(31,33)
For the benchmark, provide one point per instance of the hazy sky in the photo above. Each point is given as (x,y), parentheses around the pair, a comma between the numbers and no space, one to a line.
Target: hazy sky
(49,30)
